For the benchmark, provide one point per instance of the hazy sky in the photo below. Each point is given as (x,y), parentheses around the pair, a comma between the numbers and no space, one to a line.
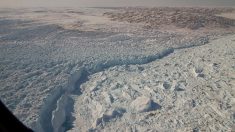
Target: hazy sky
(103,3)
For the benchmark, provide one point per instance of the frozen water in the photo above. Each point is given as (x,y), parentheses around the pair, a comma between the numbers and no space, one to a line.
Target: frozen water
(55,77)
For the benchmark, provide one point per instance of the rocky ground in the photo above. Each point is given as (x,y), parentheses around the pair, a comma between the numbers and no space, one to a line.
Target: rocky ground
(76,69)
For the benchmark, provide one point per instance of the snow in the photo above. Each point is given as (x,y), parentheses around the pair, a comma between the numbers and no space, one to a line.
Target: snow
(191,88)
(142,104)
(55,77)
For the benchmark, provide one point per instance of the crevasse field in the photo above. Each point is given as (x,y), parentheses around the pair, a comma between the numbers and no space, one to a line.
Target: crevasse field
(119,69)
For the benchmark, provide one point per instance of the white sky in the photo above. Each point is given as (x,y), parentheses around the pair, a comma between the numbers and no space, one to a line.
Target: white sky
(103,3)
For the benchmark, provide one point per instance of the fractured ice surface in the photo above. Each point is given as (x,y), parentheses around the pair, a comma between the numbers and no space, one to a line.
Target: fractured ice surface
(54,78)
(166,94)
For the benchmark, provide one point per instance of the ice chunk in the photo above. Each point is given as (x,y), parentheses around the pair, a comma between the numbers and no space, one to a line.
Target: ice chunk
(144,104)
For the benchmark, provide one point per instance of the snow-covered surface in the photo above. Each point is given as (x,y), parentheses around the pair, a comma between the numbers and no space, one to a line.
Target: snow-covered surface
(190,89)
(62,70)
(228,15)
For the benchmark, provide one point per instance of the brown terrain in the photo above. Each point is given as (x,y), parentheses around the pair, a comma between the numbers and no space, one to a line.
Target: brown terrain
(190,18)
